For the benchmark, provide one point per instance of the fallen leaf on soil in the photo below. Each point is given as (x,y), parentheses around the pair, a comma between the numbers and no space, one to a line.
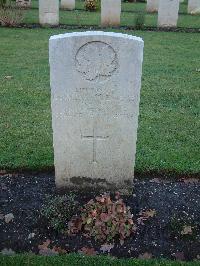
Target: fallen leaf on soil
(45,244)
(145,256)
(147,214)
(60,250)
(155,180)
(7,252)
(31,235)
(179,256)
(190,180)
(121,242)
(88,251)
(187,230)
(9,217)
(106,247)
(48,252)
(44,249)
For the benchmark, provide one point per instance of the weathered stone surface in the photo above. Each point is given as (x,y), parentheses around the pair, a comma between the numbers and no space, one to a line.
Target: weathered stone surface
(110,12)
(168,13)
(95,92)
(193,6)
(152,5)
(49,12)
(23,3)
(67,4)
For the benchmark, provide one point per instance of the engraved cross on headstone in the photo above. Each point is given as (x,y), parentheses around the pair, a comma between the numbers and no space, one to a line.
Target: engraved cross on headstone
(94,137)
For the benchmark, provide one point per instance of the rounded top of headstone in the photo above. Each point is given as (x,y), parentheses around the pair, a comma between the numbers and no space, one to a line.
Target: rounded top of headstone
(96,33)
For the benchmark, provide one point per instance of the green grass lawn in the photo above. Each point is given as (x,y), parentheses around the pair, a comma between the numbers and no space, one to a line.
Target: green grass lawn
(76,260)
(129,12)
(169,124)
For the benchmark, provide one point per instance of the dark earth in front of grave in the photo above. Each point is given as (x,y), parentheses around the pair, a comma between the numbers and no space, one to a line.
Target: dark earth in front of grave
(94,27)
(176,204)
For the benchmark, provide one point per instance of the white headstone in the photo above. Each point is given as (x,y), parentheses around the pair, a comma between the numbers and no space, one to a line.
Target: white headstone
(193,6)
(152,5)
(67,4)
(110,12)
(23,3)
(95,92)
(168,13)
(49,12)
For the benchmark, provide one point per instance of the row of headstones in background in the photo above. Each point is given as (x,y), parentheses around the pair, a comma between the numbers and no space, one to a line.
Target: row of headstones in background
(193,6)
(152,6)
(49,11)
(111,11)
(168,10)
(95,92)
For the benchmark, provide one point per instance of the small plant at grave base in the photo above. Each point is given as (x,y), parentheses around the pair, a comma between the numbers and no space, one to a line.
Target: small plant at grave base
(58,210)
(78,19)
(92,5)
(104,219)
(10,15)
(139,21)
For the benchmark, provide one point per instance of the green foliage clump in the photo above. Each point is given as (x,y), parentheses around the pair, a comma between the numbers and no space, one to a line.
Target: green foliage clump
(92,5)
(10,15)
(104,219)
(58,210)
(139,21)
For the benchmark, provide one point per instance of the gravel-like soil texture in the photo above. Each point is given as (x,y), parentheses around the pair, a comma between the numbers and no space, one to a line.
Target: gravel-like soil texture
(173,232)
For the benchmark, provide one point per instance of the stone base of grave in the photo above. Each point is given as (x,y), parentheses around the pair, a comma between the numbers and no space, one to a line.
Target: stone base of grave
(49,19)
(87,185)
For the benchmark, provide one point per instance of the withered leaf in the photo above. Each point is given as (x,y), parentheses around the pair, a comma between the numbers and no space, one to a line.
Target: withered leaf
(88,251)
(190,180)
(48,252)
(9,217)
(148,213)
(45,244)
(179,256)
(145,256)
(187,230)
(8,252)
(106,248)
